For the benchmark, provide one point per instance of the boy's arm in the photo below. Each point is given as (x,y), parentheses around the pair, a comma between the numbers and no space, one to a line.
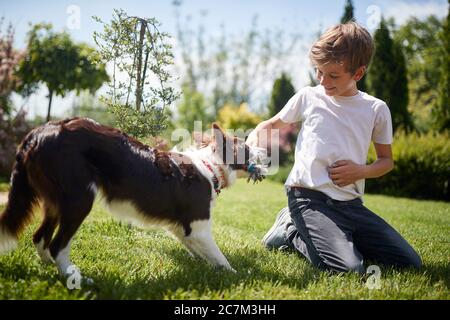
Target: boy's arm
(383,164)
(346,172)
(258,137)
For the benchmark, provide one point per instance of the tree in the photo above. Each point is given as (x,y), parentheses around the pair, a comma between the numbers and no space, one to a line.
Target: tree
(348,12)
(9,58)
(234,117)
(231,68)
(13,126)
(422,42)
(55,60)
(140,57)
(282,91)
(87,105)
(441,110)
(191,108)
(346,17)
(387,77)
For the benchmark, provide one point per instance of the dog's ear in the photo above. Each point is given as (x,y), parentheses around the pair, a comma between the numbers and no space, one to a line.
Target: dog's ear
(215,126)
(218,137)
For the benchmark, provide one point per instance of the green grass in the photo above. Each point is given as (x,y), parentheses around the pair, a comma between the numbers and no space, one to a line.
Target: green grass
(130,263)
(4,186)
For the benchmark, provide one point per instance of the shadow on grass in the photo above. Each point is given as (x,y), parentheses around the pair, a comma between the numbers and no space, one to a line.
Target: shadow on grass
(189,278)
(195,275)
(437,273)
(20,278)
(189,275)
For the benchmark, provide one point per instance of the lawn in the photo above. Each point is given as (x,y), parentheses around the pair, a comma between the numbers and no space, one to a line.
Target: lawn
(130,263)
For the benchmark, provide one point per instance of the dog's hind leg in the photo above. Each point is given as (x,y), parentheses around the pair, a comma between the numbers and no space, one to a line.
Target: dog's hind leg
(201,242)
(72,211)
(44,234)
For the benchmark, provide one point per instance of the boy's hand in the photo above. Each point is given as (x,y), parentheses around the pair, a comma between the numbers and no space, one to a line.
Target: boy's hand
(345,172)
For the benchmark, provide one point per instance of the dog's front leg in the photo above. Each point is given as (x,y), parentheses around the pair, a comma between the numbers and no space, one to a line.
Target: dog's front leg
(201,242)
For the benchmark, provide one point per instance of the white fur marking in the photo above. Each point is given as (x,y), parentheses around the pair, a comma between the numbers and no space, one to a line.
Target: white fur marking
(44,254)
(62,260)
(8,242)
(201,242)
(126,211)
(197,157)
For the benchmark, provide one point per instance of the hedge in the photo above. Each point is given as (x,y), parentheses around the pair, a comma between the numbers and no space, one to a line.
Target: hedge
(422,167)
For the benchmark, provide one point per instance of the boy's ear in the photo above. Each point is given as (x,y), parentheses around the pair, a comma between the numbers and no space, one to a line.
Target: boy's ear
(360,73)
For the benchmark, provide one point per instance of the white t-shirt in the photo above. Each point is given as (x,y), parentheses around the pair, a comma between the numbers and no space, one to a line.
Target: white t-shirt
(333,129)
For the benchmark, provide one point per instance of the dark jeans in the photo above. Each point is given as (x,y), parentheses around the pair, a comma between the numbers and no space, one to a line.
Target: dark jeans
(340,235)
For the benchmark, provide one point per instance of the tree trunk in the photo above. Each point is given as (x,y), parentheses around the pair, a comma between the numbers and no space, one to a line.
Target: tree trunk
(139,66)
(50,96)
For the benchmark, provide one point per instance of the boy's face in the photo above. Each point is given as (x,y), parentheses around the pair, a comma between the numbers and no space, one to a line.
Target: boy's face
(337,81)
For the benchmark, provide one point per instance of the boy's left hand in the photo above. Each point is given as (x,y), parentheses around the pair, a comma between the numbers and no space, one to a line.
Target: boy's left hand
(345,172)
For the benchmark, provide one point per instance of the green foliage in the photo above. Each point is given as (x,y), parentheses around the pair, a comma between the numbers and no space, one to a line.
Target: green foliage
(192,107)
(422,167)
(282,174)
(348,12)
(231,68)
(9,59)
(234,117)
(282,91)
(55,60)
(13,126)
(139,123)
(441,109)
(422,42)
(387,77)
(346,17)
(140,57)
(88,106)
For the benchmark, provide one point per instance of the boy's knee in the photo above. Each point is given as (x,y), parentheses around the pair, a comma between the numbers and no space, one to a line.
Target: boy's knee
(354,266)
(344,266)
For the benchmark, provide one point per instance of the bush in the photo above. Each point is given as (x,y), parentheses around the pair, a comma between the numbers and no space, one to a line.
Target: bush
(422,167)
(12,131)
(282,174)
(234,117)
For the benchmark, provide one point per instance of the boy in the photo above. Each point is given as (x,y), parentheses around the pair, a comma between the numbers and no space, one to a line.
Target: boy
(326,221)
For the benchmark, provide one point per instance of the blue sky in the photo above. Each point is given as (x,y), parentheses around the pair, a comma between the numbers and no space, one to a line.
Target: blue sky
(306,17)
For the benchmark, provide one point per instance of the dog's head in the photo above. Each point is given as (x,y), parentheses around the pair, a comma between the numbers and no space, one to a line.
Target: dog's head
(235,153)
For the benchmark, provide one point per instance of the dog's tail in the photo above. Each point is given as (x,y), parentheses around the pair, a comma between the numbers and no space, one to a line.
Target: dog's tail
(19,208)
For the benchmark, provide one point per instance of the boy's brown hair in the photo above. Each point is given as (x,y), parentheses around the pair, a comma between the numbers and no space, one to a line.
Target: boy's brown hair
(349,44)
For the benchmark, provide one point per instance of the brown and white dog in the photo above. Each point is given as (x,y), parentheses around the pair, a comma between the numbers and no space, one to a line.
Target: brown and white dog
(65,164)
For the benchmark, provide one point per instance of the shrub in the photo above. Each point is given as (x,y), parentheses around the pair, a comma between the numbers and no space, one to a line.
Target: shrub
(422,167)
(282,174)
(233,117)
(12,131)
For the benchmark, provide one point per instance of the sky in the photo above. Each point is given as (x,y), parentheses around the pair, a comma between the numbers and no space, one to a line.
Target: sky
(294,16)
